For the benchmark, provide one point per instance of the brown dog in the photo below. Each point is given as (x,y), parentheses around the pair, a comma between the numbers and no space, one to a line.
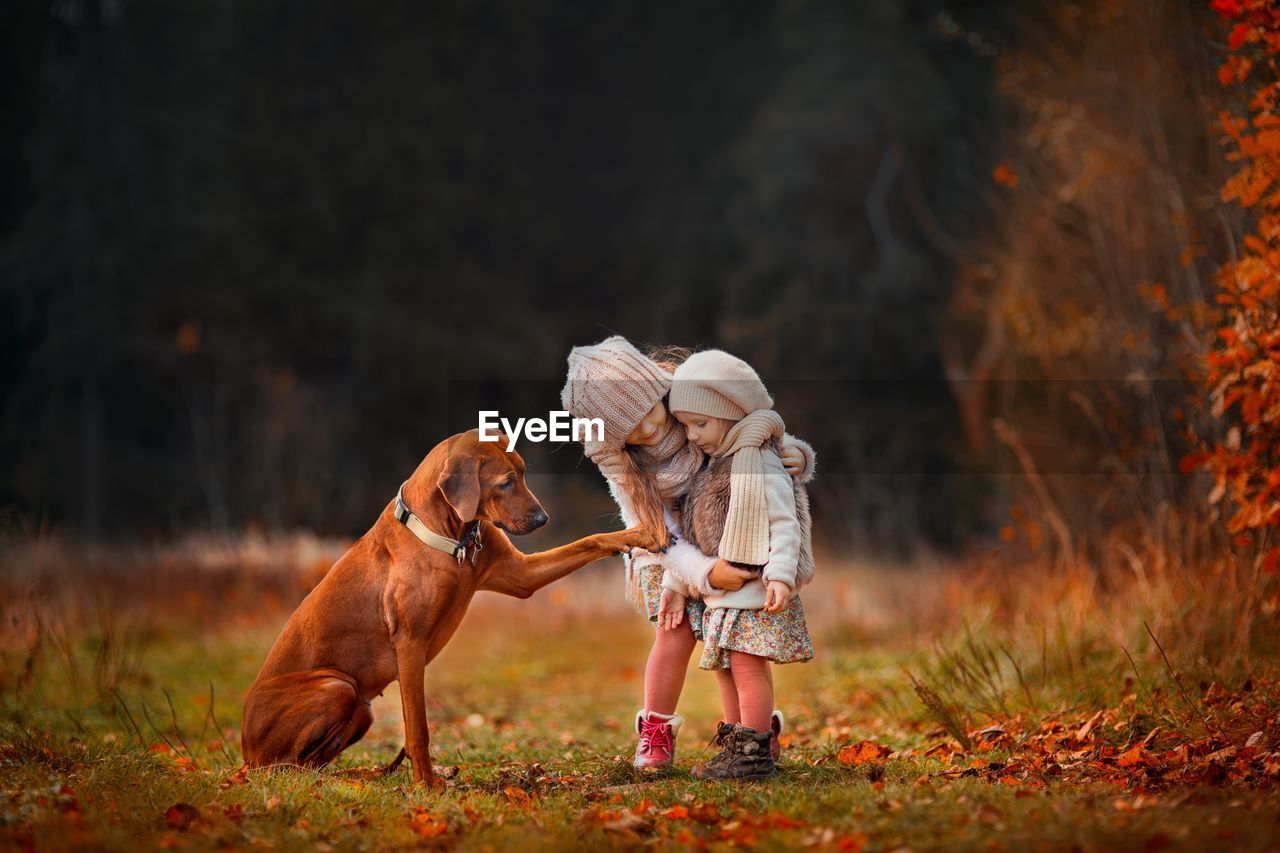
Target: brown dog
(390,604)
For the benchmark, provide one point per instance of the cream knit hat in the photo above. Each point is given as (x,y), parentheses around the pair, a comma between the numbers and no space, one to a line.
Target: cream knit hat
(613,381)
(718,384)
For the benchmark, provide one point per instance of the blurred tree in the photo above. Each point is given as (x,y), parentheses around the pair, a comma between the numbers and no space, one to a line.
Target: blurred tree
(257,257)
(1108,175)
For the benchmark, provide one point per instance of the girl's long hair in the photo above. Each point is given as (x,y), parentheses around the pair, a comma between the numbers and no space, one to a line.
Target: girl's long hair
(637,479)
(646,499)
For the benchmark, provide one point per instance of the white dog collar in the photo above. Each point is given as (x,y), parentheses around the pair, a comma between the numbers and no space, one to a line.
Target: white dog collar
(453,547)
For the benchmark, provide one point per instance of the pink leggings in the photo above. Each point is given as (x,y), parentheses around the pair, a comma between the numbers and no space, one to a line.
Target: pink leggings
(746,691)
(664,673)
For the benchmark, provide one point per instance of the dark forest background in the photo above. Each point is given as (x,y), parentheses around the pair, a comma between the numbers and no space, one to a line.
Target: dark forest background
(256,258)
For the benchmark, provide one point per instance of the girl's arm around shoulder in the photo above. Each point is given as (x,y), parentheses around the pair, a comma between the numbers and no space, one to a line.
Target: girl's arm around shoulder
(807,453)
(784,526)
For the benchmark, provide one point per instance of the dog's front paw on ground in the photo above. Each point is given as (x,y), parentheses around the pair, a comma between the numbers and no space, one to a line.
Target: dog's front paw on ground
(441,779)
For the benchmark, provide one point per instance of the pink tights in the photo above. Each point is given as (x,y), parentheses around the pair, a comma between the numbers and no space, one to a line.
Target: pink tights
(664,673)
(746,690)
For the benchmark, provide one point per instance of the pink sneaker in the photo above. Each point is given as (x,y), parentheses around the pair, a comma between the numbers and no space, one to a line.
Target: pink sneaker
(657,745)
(775,725)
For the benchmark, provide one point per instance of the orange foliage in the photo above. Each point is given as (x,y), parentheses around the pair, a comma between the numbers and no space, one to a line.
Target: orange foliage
(1242,367)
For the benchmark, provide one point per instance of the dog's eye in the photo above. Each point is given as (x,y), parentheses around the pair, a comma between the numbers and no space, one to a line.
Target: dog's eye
(506,485)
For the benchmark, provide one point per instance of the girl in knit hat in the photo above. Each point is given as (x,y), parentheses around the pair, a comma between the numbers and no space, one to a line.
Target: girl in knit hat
(741,507)
(648,464)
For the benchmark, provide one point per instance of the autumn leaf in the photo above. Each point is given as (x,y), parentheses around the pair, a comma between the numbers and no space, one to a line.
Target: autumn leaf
(865,752)
(852,843)
(427,824)
(1132,757)
(517,795)
(1004,175)
(1239,35)
(778,820)
(705,813)
(181,816)
(1227,8)
(628,823)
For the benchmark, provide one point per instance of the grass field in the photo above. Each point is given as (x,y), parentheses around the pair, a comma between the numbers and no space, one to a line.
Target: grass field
(934,716)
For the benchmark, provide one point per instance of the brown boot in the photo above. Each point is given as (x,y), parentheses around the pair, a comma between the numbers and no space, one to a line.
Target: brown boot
(745,755)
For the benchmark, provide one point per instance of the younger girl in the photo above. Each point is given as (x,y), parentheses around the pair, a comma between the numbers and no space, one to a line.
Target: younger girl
(648,464)
(743,507)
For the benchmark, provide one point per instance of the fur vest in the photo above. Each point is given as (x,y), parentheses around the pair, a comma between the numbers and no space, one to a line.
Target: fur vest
(704,508)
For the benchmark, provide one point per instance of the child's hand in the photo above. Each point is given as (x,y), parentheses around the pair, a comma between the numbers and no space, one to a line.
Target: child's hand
(724,575)
(670,609)
(792,460)
(777,596)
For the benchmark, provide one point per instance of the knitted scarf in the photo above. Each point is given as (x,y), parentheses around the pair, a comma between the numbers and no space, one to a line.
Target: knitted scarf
(746,528)
(672,461)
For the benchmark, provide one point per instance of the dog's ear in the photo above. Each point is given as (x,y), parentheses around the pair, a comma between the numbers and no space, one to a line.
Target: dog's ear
(459,482)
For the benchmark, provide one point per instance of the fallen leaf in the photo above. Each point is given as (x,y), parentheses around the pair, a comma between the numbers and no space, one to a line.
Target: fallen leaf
(516,795)
(427,824)
(863,753)
(627,822)
(181,816)
(705,813)
(1132,758)
(991,733)
(1084,731)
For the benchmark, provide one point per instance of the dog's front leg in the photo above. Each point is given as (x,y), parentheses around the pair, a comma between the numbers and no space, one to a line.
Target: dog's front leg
(411,661)
(511,572)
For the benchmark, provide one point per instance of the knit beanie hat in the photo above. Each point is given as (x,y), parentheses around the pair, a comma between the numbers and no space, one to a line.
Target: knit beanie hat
(719,385)
(613,381)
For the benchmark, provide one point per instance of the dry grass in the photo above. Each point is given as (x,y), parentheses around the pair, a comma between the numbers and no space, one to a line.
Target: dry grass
(122,674)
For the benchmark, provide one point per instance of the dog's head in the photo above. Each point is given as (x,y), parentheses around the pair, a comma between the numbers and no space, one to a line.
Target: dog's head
(481,479)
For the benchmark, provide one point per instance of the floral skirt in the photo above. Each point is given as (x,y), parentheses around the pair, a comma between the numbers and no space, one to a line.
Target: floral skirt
(780,637)
(649,579)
